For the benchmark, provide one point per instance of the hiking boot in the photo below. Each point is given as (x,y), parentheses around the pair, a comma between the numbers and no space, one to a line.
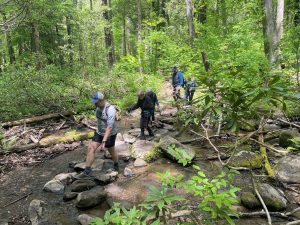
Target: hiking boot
(82,176)
(151,134)
(116,167)
(142,137)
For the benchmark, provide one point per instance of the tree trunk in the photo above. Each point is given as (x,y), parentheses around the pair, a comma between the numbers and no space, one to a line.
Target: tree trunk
(278,29)
(128,23)
(201,11)
(109,40)
(273,29)
(92,37)
(139,14)
(124,50)
(70,42)
(164,13)
(224,16)
(58,40)
(189,13)
(36,43)
(10,49)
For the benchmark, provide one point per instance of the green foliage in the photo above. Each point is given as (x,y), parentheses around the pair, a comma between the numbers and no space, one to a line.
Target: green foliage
(295,144)
(218,194)
(179,154)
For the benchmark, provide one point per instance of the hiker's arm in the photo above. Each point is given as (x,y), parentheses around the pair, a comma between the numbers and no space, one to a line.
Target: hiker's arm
(134,107)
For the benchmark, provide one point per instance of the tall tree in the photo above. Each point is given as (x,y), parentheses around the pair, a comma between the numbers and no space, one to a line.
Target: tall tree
(190,17)
(273,28)
(10,48)
(139,14)
(109,40)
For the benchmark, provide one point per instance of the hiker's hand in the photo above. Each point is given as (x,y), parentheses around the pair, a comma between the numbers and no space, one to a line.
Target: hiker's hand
(102,146)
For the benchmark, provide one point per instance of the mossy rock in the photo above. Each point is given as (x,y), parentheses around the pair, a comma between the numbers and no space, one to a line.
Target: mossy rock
(250,201)
(249,125)
(286,136)
(273,198)
(247,159)
(176,151)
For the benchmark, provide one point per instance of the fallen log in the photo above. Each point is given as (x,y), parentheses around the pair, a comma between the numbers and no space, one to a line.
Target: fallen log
(67,137)
(36,119)
(263,152)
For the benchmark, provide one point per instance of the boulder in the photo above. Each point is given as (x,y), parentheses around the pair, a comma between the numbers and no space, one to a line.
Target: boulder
(250,201)
(97,164)
(37,213)
(272,197)
(105,177)
(116,194)
(84,219)
(128,172)
(176,151)
(135,132)
(288,169)
(139,163)
(91,198)
(250,125)
(141,148)
(286,136)
(65,178)
(82,185)
(107,165)
(69,195)
(271,127)
(54,186)
(246,159)
(123,149)
(129,138)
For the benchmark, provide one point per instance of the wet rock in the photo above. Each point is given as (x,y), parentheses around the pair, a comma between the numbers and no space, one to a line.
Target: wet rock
(246,159)
(251,125)
(122,149)
(97,164)
(65,178)
(286,136)
(107,165)
(105,177)
(91,197)
(169,112)
(69,195)
(141,148)
(288,169)
(135,132)
(139,163)
(179,154)
(128,172)
(82,185)
(272,197)
(250,201)
(129,138)
(271,127)
(115,193)
(54,186)
(37,213)
(84,219)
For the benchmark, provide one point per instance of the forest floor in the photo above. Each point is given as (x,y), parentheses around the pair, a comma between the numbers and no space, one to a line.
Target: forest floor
(24,175)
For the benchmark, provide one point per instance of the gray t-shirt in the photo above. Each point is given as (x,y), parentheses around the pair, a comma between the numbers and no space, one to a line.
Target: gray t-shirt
(106,117)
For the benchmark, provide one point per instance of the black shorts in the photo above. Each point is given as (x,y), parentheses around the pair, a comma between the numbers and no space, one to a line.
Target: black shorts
(110,141)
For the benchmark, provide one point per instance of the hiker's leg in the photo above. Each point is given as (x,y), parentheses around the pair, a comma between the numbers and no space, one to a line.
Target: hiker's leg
(113,153)
(143,126)
(148,128)
(91,153)
(174,94)
(110,145)
(191,96)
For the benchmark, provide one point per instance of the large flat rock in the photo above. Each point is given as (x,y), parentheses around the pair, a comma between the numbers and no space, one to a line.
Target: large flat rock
(288,169)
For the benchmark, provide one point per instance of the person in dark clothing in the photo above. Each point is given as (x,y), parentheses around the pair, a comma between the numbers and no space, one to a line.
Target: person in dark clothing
(190,88)
(177,83)
(145,103)
(155,102)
